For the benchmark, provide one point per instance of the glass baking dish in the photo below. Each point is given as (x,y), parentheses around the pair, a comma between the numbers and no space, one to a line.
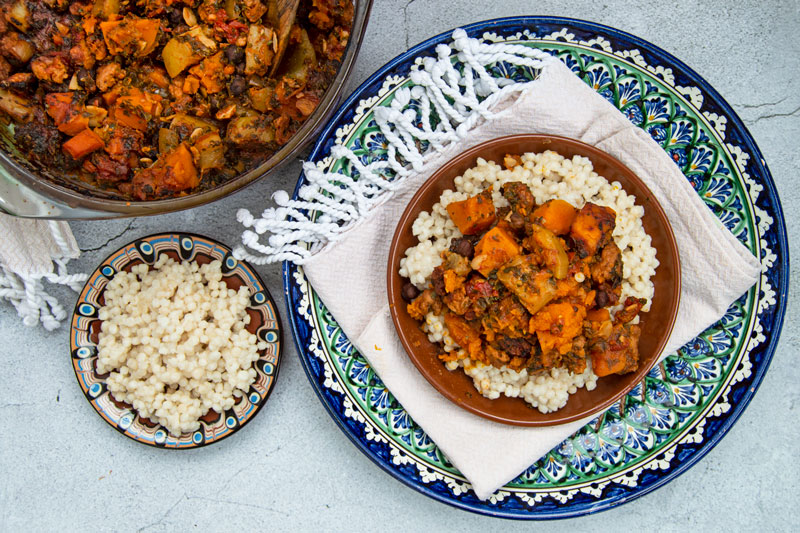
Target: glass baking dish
(24,193)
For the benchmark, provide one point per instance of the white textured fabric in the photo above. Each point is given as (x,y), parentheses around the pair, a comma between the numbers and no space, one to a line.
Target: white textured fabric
(350,274)
(32,251)
(458,97)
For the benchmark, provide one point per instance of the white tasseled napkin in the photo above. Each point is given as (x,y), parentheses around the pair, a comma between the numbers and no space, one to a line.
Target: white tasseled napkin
(32,251)
(349,275)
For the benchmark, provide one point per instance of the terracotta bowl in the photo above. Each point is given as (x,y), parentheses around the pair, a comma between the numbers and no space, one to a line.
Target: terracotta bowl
(656,324)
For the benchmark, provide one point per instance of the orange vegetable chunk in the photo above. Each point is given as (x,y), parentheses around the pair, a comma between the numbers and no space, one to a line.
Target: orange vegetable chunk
(463,333)
(211,74)
(495,249)
(174,171)
(130,36)
(66,110)
(592,228)
(598,315)
(184,173)
(557,324)
(83,144)
(136,109)
(555,215)
(605,363)
(474,214)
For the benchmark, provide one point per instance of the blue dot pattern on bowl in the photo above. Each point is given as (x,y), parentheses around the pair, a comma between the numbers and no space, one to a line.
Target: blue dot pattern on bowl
(125,421)
(84,351)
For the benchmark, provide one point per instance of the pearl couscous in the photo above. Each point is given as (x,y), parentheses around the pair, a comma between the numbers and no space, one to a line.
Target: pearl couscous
(174,342)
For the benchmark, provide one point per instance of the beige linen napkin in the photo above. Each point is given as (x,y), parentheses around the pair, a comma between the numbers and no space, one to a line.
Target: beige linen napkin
(32,251)
(349,275)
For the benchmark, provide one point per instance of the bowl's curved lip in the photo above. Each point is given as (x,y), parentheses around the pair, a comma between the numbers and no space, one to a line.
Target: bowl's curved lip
(122,208)
(563,512)
(279,357)
(393,291)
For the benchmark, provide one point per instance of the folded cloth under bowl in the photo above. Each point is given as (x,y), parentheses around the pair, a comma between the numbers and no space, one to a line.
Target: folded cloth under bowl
(352,269)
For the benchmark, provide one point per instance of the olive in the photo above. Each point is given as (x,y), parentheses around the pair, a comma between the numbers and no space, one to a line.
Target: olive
(409,292)
(216,101)
(516,221)
(238,85)
(602,299)
(462,247)
(234,54)
(437,280)
(175,16)
(85,78)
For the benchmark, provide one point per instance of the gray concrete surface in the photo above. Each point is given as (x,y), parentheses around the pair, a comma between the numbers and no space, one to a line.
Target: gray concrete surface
(63,468)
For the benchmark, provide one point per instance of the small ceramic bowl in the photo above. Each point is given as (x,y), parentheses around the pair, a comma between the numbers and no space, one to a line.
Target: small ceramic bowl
(85,327)
(656,324)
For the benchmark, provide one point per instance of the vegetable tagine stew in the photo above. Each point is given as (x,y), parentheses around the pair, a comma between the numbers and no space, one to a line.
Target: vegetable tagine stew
(533,287)
(152,99)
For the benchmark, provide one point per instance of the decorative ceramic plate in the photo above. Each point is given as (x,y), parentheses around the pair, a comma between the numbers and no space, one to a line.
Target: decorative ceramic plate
(85,326)
(687,403)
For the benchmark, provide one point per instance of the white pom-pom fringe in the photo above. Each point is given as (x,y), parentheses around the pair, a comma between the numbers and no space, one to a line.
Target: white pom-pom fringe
(28,295)
(332,202)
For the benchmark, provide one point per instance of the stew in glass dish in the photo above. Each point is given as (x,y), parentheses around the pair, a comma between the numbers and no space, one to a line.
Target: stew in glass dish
(153,99)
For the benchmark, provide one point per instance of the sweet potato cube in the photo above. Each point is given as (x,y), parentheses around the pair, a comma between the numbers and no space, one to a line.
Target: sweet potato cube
(532,286)
(474,214)
(211,73)
(555,215)
(592,228)
(83,144)
(598,315)
(184,173)
(137,108)
(495,249)
(66,110)
(75,124)
(557,324)
(463,333)
(130,36)
(605,363)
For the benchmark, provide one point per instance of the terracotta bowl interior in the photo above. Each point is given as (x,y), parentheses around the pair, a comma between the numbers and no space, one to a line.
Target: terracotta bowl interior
(656,324)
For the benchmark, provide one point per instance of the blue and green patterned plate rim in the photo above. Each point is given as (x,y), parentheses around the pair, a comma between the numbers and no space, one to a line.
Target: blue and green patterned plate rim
(687,403)
(264,319)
